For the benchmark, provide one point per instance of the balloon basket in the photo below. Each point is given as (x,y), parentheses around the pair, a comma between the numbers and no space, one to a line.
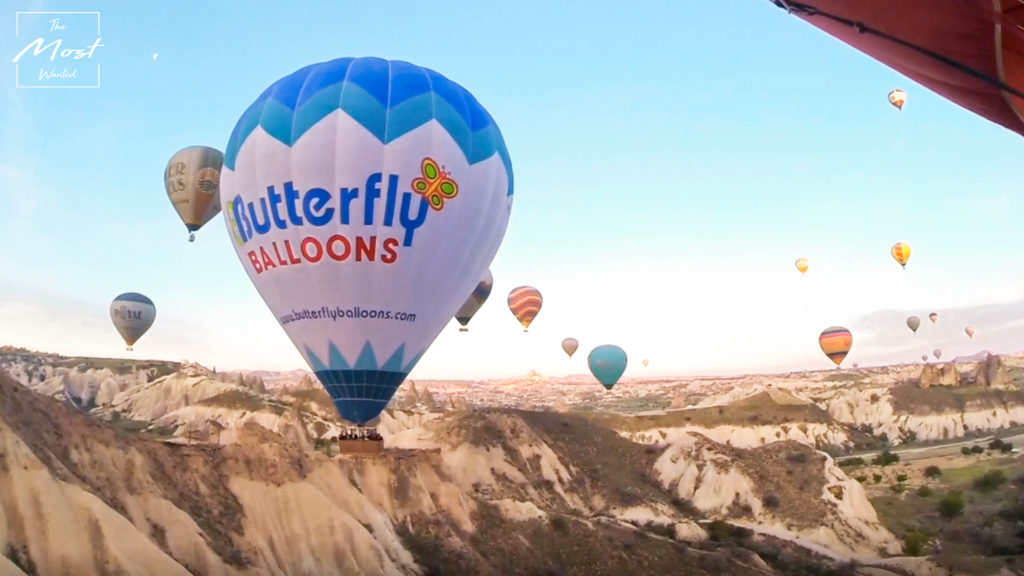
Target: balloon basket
(129,348)
(360,440)
(191,237)
(463,329)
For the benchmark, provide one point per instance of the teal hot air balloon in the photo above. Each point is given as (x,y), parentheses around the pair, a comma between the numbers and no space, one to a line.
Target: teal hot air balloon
(607,363)
(132,315)
(366,199)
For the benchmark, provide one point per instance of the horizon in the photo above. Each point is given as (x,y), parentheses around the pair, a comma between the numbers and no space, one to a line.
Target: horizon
(665,185)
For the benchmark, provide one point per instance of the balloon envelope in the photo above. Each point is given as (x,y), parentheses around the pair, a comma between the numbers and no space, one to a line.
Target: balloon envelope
(570,345)
(132,315)
(607,363)
(646,362)
(924,357)
(933,317)
(525,303)
(475,301)
(366,199)
(836,342)
(913,323)
(970,331)
(901,253)
(192,181)
(898,98)
(937,353)
(801,265)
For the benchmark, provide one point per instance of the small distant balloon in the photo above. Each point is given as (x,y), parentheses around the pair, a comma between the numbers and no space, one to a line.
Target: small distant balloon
(901,253)
(154,56)
(801,265)
(933,317)
(570,345)
(913,323)
(937,353)
(132,314)
(924,357)
(970,331)
(525,303)
(607,363)
(475,301)
(898,98)
(646,362)
(835,342)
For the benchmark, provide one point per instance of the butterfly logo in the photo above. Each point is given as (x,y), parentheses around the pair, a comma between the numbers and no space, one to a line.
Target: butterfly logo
(436,185)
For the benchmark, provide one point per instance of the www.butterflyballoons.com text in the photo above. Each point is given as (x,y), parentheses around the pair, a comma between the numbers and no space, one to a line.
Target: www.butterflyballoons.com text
(339,313)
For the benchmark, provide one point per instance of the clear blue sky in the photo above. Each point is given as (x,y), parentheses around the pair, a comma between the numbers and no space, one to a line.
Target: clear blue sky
(671,159)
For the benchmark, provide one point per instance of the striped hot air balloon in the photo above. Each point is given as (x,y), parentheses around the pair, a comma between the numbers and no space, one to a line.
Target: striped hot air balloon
(525,303)
(836,342)
(901,253)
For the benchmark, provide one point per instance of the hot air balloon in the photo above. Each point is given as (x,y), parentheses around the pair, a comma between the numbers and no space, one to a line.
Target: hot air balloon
(525,303)
(901,253)
(366,198)
(132,315)
(192,181)
(836,342)
(924,357)
(898,98)
(475,301)
(937,353)
(801,265)
(607,363)
(570,345)
(933,317)
(913,323)
(855,365)
(970,331)
(646,362)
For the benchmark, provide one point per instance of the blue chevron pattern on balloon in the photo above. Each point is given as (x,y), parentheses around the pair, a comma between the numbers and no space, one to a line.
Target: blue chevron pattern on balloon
(362,389)
(388,98)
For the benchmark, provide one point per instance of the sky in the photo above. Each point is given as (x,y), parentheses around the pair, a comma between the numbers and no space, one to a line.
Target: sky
(671,161)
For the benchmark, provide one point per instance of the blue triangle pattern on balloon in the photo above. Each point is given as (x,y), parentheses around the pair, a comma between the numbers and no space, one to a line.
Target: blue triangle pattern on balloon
(360,88)
(362,389)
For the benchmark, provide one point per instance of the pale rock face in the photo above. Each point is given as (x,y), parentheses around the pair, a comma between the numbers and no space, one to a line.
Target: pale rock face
(811,433)
(35,503)
(693,469)
(690,532)
(521,511)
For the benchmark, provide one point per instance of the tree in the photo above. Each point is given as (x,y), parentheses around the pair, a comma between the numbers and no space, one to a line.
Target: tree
(932,472)
(885,458)
(952,504)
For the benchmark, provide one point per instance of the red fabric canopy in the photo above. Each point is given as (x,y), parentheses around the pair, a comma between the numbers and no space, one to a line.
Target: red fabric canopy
(969,51)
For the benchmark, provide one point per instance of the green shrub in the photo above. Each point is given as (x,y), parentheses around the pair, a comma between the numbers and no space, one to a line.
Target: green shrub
(952,504)
(885,458)
(965,450)
(933,471)
(901,478)
(898,488)
(856,461)
(989,481)
(914,542)
(876,477)
(977,449)
(924,491)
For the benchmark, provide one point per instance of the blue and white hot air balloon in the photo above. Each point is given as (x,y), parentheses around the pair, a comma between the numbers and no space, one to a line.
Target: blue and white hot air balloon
(365,198)
(132,314)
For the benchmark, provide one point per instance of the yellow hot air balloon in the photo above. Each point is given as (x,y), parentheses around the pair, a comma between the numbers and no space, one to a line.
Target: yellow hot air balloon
(898,98)
(646,362)
(901,253)
(970,331)
(525,303)
(835,342)
(801,265)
